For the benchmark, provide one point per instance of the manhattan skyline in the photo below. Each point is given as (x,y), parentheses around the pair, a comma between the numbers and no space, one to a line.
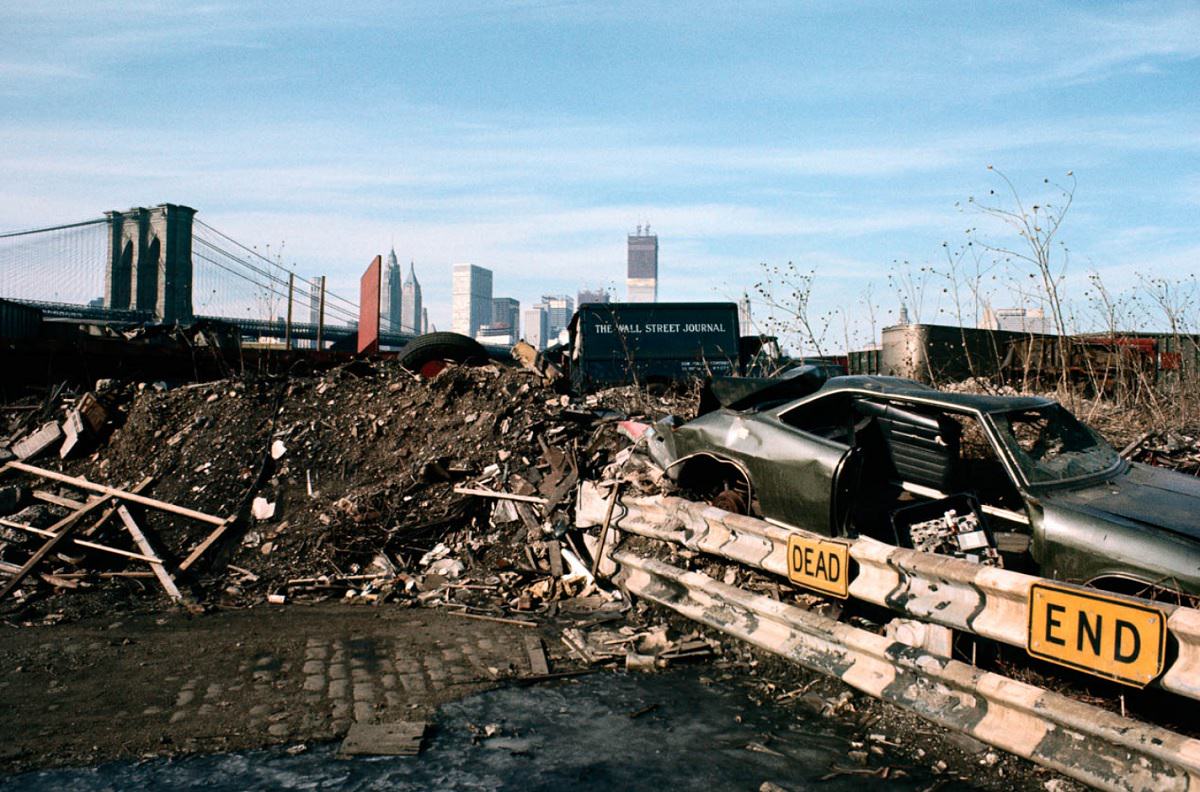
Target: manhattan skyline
(842,137)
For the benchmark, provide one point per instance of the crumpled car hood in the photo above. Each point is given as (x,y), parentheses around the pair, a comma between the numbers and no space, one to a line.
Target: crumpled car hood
(1145,495)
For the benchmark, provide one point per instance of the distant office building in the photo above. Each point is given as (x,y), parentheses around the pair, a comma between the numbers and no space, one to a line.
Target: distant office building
(410,303)
(537,327)
(506,312)
(559,309)
(641,284)
(471,299)
(316,289)
(1017,320)
(389,295)
(745,319)
(314,299)
(592,296)
(495,334)
(424,320)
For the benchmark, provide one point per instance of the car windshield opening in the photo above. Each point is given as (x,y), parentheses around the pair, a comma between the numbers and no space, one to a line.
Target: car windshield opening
(1050,444)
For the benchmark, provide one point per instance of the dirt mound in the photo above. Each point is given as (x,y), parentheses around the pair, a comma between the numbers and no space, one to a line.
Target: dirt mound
(352,473)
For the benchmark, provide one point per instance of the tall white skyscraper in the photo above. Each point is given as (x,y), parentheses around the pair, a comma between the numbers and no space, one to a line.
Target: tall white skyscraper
(537,327)
(641,284)
(390,294)
(471,299)
(411,317)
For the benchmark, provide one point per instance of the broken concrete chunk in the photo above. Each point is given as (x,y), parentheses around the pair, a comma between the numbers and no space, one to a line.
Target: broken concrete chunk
(38,442)
(278,449)
(262,509)
(504,512)
(449,568)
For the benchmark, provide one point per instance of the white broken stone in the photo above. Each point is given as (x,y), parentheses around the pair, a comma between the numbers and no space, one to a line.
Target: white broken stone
(262,509)
(278,449)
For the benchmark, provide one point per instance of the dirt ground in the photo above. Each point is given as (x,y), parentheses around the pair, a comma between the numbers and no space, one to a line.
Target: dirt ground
(86,692)
(167,684)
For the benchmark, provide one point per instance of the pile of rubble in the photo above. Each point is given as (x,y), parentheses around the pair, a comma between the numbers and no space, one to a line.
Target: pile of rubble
(1176,450)
(364,482)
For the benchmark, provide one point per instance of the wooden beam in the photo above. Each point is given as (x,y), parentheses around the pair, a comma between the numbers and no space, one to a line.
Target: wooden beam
(58,500)
(201,548)
(156,566)
(486,493)
(112,509)
(62,530)
(149,559)
(124,495)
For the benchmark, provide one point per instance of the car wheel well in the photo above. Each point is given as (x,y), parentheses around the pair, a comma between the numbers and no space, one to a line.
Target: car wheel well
(1136,587)
(715,480)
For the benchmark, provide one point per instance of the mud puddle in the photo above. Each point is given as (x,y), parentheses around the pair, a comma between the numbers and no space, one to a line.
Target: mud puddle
(601,732)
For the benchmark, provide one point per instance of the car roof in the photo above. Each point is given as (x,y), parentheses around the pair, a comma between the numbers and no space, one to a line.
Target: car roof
(899,387)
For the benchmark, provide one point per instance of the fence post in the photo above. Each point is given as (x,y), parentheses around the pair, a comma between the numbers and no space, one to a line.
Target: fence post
(287,331)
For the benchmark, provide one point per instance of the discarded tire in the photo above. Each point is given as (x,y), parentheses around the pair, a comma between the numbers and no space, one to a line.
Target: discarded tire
(428,354)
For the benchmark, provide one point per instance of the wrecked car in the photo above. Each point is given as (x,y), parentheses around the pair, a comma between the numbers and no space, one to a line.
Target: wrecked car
(1016,481)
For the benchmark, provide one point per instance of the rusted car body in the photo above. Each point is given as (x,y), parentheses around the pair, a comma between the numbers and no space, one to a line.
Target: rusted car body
(846,456)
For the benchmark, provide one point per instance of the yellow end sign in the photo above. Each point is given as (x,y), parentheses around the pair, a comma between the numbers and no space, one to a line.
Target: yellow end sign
(819,564)
(1097,633)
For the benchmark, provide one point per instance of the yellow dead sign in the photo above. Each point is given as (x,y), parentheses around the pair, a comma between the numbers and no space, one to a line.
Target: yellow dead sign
(819,564)
(1097,633)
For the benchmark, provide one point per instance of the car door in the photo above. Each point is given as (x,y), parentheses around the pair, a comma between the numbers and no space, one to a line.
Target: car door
(793,471)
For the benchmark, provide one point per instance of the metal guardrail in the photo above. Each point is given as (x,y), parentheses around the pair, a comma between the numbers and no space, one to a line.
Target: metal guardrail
(989,602)
(1084,742)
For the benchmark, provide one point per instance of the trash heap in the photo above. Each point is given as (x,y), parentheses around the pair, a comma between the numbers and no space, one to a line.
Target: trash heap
(1178,450)
(364,482)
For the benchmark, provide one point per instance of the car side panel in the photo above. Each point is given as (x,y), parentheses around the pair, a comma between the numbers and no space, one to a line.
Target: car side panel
(1080,547)
(791,472)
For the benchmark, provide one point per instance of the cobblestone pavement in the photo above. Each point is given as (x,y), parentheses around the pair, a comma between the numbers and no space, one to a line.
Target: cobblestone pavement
(86,692)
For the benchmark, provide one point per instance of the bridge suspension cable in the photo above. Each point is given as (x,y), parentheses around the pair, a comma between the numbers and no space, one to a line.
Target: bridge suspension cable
(61,263)
(63,268)
(233,280)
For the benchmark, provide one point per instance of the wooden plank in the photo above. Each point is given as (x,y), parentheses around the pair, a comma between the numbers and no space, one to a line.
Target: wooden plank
(201,548)
(612,502)
(537,656)
(156,566)
(486,493)
(62,530)
(383,739)
(111,510)
(497,619)
(81,542)
(58,500)
(125,495)
(554,551)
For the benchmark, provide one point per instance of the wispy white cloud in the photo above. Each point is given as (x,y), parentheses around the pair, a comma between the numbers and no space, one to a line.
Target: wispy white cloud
(1079,46)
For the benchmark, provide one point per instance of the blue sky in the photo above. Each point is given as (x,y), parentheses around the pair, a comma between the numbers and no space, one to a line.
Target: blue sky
(529,137)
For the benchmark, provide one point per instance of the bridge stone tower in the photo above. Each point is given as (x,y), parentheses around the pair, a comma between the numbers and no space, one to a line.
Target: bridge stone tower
(150,262)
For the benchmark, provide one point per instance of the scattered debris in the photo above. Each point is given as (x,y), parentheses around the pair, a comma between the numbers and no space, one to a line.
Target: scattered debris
(383,739)
(38,442)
